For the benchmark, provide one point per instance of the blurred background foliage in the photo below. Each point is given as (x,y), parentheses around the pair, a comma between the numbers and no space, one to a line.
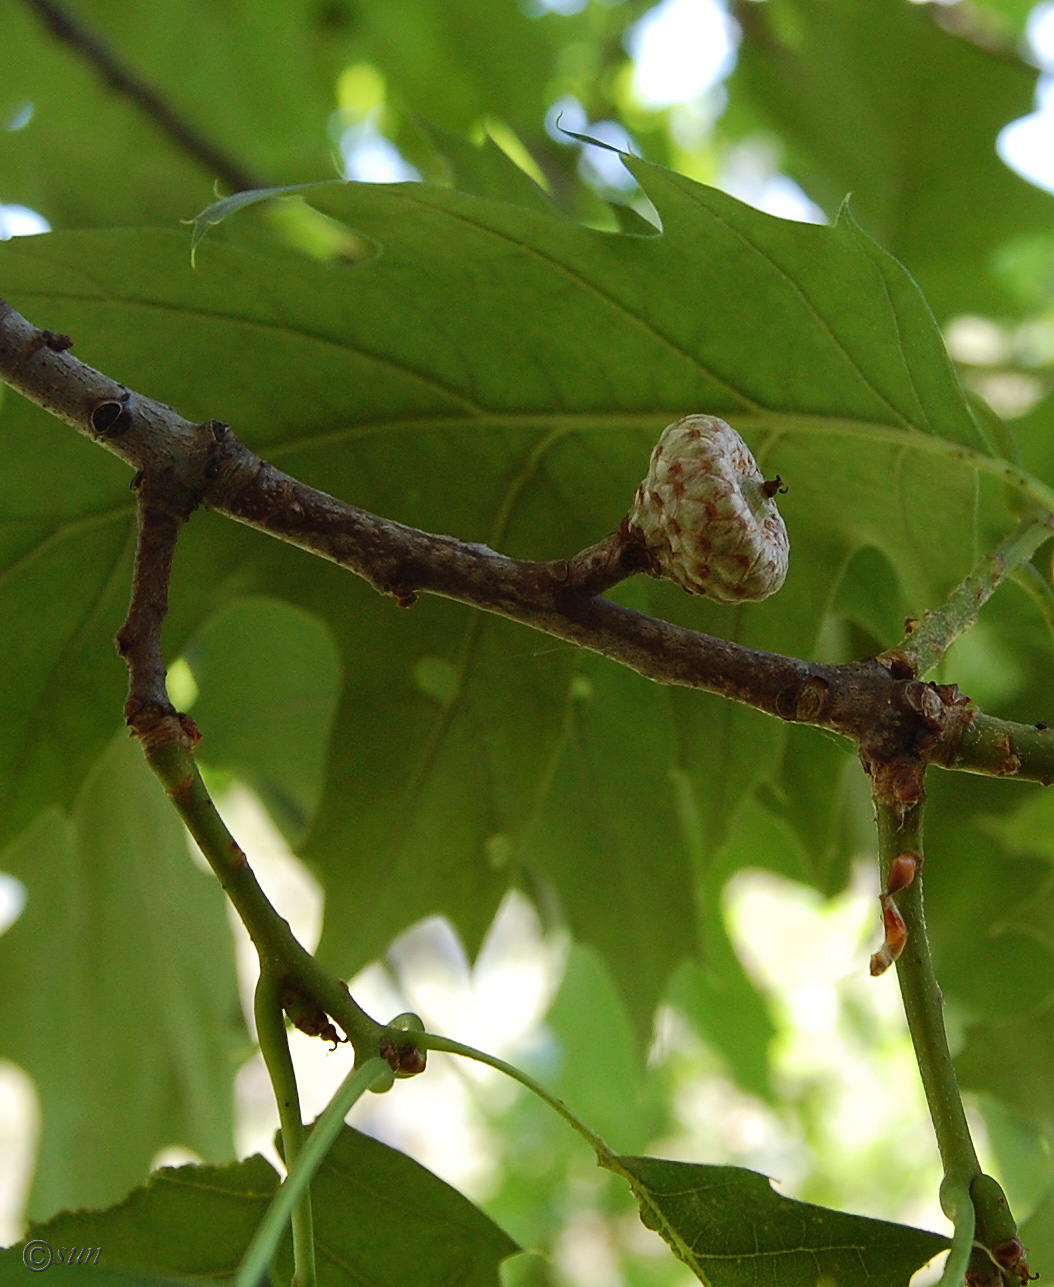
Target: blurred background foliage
(771,1048)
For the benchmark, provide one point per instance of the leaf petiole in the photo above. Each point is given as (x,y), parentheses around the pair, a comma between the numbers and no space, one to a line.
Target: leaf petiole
(274,1046)
(431,1041)
(260,1252)
(958,1207)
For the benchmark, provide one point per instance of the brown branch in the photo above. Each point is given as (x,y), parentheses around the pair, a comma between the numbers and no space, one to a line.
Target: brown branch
(148,710)
(897,721)
(308,992)
(64,27)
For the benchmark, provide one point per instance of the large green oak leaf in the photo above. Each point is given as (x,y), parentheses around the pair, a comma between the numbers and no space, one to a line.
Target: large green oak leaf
(499,373)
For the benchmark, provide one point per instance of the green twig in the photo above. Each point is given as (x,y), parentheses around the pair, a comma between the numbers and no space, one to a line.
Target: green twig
(937,630)
(1002,748)
(261,1250)
(274,1046)
(307,992)
(279,952)
(923,1003)
(900,832)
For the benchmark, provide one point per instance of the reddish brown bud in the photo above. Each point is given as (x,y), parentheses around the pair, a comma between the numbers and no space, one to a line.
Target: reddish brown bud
(902,872)
(896,937)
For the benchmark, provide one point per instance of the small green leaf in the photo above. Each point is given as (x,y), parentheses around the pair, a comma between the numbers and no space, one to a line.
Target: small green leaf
(732,1229)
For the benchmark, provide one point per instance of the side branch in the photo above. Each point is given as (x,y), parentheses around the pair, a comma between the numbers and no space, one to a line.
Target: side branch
(931,638)
(139,639)
(307,992)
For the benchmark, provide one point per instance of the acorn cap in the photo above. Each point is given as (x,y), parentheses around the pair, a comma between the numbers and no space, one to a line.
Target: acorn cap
(707,515)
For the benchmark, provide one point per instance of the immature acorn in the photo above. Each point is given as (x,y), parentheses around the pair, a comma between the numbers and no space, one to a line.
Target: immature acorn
(708,517)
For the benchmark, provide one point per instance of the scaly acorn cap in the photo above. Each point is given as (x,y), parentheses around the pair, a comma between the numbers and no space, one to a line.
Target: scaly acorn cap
(708,517)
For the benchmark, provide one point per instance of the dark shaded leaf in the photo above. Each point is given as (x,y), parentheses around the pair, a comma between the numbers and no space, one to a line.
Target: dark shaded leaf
(196,1221)
(732,1229)
(189,1220)
(377,1211)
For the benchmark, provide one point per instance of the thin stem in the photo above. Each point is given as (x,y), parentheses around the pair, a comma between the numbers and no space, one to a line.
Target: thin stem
(923,1003)
(138,641)
(308,992)
(274,1046)
(933,636)
(260,1252)
(958,1207)
(279,951)
(431,1041)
